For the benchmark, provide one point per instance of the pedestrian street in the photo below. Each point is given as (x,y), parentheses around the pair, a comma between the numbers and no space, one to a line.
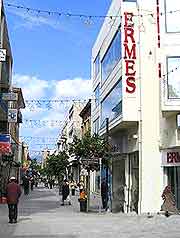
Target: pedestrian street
(40,215)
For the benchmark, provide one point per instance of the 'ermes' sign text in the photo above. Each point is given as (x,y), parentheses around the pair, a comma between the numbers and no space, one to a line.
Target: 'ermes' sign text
(129,52)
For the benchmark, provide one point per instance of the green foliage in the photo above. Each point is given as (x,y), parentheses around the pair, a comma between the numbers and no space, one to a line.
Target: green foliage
(57,164)
(35,166)
(89,148)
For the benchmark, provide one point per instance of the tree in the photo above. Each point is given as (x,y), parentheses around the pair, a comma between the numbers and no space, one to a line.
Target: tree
(89,149)
(57,164)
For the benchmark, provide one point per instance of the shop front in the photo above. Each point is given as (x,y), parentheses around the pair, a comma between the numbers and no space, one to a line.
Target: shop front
(171,164)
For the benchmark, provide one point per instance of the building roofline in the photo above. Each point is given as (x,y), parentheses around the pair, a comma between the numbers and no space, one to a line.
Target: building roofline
(85,108)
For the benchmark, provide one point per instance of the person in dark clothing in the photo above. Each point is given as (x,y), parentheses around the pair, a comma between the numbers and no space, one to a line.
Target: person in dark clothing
(26,185)
(13,192)
(104,194)
(65,192)
(50,184)
(32,183)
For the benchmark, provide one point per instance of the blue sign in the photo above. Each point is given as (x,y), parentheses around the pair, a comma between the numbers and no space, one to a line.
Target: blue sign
(4,138)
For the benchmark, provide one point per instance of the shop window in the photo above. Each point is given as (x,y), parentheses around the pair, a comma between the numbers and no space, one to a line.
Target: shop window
(97,66)
(112,56)
(96,126)
(172,16)
(111,106)
(173,77)
(97,94)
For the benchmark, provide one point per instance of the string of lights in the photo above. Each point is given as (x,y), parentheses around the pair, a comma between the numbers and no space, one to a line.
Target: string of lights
(51,104)
(171,71)
(41,123)
(78,15)
(37,139)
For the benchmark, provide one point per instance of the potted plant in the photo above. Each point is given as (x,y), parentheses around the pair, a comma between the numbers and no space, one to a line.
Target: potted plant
(83,201)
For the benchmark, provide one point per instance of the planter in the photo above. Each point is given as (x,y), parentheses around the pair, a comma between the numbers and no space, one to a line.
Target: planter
(83,205)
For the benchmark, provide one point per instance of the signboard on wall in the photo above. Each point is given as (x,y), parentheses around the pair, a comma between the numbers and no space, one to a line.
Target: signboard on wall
(171,158)
(10,96)
(12,115)
(2,55)
(5,145)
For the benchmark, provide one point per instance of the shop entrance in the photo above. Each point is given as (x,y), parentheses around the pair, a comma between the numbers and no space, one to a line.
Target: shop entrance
(118,185)
(174,181)
(133,182)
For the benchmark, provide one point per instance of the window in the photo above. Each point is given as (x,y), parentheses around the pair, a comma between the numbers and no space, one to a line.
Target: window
(173,63)
(112,104)
(172,19)
(97,94)
(96,126)
(112,56)
(97,66)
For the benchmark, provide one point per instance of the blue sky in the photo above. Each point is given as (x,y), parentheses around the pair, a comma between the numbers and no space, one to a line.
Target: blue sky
(52,54)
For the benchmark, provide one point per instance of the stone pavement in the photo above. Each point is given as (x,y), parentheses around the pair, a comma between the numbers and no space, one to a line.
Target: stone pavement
(41,216)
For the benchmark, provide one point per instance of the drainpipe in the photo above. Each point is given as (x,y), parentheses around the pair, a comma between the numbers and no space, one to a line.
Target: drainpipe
(140,119)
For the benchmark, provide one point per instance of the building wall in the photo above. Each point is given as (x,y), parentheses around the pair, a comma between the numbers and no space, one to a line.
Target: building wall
(141,119)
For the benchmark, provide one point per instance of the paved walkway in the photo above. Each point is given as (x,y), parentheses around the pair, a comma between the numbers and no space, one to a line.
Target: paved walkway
(41,216)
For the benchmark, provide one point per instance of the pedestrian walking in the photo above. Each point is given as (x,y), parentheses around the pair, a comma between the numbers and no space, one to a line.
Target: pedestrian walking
(26,185)
(13,193)
(32,183)
(50,184)
(81,186)
(104,194)
(73,186)
(65,192)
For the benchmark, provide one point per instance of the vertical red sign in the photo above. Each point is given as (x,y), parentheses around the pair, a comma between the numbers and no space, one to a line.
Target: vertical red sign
(129,52)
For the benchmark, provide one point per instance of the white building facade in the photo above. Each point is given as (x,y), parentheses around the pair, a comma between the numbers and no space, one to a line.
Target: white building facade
(71,129)
(136,86)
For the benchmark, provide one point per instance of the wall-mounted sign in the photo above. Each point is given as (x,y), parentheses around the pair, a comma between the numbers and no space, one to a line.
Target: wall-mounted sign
(5,145)
(171,158)
(10,96)
(4,138)
(129,52)
(12,115)
(2,55)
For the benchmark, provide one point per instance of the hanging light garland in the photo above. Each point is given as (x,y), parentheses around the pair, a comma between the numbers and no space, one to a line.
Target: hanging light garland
(81,16)
(47,104)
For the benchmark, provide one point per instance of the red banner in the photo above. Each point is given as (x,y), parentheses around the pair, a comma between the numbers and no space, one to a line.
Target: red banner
(5,147)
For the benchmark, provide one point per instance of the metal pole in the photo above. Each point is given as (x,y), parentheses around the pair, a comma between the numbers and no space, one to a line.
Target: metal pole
(100,164)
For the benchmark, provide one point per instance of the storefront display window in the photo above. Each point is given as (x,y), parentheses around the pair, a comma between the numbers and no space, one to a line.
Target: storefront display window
(172,16)
(173,77)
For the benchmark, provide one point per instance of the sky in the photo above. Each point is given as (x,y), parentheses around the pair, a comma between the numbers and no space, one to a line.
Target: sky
(52,58)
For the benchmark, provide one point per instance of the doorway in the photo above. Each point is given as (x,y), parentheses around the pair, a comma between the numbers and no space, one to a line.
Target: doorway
(134,181)
(174,181)
(118,184)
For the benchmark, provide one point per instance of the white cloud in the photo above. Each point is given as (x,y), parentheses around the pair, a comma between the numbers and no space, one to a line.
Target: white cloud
(36,88)
(75,88)
(32,86)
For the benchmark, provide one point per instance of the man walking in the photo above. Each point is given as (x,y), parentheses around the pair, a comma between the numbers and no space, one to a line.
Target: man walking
(104,194)
(13,193)
(65,192)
